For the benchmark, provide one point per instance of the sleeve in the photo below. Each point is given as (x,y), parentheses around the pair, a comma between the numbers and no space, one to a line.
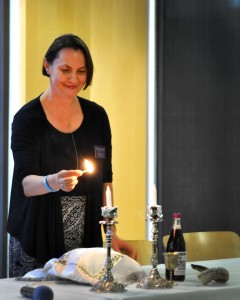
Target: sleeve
(25,145)
(107,138)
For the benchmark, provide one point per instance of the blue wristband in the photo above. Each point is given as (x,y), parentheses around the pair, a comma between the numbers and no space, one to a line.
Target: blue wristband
(47,186)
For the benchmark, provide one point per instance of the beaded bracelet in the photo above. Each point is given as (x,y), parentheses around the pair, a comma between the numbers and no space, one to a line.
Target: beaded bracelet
(47,186)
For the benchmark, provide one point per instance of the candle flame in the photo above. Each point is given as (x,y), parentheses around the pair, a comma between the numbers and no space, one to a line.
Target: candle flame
(89,166)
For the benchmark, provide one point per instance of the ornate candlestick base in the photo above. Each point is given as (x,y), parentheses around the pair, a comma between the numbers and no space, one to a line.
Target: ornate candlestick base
(154,280)
(108,287)
(107,283)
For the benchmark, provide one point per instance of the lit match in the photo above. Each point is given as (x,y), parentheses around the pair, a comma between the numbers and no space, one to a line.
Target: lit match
(89,167)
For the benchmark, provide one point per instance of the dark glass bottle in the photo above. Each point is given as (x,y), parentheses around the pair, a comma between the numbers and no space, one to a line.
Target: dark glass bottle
(176,243)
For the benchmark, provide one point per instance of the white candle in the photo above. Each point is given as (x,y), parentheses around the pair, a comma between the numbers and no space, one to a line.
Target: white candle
(109,197)
(154,196)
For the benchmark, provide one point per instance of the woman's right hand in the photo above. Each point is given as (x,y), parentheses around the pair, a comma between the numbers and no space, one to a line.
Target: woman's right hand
(65,180)
(68,179)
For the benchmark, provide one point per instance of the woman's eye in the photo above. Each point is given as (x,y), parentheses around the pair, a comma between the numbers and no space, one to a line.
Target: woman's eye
(66,71)
(81,71)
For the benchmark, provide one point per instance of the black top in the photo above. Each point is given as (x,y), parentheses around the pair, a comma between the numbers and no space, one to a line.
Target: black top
(40,149)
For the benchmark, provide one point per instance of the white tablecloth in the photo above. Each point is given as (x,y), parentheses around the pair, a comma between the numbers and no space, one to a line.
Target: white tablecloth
(190,289)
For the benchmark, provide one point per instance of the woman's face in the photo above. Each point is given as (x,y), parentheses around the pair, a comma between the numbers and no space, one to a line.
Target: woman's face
(68,72)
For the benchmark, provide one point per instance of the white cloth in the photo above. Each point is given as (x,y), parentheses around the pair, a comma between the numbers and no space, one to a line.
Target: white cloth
(87,265)
(189,289)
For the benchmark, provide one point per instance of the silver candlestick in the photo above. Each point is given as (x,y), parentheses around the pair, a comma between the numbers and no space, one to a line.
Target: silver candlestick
(107,284)
(154,280)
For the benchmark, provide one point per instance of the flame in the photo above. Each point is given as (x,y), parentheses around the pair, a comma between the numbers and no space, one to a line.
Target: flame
(89,166)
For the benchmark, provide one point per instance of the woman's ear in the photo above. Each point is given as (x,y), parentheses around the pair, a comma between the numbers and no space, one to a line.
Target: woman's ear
(46,65)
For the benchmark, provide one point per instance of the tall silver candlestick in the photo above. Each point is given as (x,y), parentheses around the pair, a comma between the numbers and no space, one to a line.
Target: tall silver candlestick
(154,280)
(107,284)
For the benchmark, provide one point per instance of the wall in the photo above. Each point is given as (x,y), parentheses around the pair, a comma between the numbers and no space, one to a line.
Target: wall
(4,93)
(115,32)
(198,131)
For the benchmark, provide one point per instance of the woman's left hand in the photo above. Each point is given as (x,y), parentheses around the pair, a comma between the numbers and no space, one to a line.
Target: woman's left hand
(124,247)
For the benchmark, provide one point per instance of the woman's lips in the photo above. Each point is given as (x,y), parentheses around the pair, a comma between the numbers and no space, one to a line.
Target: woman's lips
(72,87)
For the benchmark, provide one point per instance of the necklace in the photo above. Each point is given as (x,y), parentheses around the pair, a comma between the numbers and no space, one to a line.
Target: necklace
(75,148)
(68,127)
(64,123)
(68,122)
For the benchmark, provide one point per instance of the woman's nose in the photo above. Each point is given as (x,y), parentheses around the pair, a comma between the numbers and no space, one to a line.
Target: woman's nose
(73,76)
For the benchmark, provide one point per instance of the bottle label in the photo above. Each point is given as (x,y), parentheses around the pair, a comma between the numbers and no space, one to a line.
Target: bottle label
(181,264)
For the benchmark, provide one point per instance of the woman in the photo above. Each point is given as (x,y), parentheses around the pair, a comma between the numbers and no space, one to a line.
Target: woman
(55,207)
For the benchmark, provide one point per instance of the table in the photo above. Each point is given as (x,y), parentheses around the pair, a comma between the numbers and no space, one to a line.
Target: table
(190,289)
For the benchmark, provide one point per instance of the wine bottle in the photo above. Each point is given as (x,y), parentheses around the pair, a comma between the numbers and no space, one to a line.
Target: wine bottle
(176,243)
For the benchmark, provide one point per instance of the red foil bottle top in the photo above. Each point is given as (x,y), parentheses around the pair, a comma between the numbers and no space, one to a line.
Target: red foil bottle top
(177,215)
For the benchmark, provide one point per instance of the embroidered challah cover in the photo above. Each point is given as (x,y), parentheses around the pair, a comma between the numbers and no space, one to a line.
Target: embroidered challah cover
(87,265)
